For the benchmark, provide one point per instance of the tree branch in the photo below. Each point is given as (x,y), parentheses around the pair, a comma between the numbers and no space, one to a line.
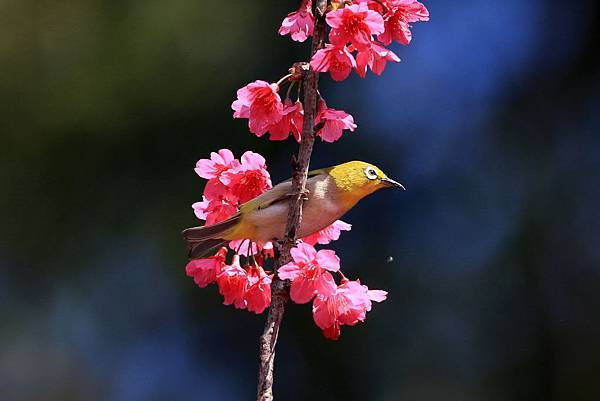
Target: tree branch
(300,165)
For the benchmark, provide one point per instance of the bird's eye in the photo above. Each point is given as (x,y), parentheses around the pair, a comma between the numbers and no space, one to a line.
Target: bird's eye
(371,173)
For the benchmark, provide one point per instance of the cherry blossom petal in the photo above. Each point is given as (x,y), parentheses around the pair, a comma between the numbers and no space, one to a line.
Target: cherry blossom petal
(327,259)
(291,121)
(325,284)
(289,271)
(332,332)
(397,23)
(377,295)
(218,162)
(205,271)
(303,253)
(302,290)
(200,208)
(254,161)
(328,234)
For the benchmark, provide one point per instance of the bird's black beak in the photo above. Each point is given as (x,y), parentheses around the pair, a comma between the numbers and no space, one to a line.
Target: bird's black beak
(388,182)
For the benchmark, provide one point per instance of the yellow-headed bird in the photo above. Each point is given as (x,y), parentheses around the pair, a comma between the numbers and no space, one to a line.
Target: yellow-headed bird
(331,192)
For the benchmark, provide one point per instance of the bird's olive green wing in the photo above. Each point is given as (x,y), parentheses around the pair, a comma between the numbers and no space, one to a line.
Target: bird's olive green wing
(279,193)
(314,173)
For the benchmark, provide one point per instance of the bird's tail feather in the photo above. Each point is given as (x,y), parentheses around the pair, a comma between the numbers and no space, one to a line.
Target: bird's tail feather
(201,241)
(205,248)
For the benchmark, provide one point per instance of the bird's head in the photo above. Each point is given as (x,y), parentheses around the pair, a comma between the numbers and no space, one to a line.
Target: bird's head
(359,179)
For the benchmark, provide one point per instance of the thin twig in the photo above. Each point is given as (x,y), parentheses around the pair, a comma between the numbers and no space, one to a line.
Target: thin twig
(280,288)
(289,90)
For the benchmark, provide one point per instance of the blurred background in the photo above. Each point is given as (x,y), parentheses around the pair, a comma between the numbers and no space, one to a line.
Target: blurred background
(491,121)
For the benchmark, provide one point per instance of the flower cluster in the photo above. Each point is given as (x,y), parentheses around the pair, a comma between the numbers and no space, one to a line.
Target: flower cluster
(231,182)
(246,288)
(358,34)
(365,28)
(238,269)
(299,24)
(333,305)
(261,104)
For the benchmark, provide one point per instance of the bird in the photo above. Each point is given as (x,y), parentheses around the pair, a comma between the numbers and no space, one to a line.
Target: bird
(330,193)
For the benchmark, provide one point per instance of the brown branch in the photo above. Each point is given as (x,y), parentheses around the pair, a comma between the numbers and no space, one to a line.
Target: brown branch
(300,165)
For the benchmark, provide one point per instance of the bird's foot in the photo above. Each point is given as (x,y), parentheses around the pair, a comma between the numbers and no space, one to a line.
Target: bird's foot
(303,194)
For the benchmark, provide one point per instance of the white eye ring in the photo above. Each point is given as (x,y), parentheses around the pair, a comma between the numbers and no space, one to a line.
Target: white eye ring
(371,173)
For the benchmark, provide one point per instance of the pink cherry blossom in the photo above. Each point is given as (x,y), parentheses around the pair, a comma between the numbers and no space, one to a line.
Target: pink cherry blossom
(397,21)
(412,10)
(347,305)
(328,234)
(337,60)
(245,247)
(218,211)
(379,6)
(291,121)
(200,208)
(249,179)
(361,297)
(310,272)
(232,282)
(355,24)
(300,23)
(375,57)
(258,292)
(218,162)
(212,168)
(334,122)
(216,190)
(260,103)
(205,271)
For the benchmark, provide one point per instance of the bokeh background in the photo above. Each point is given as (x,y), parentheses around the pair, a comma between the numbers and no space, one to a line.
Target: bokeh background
(491,121)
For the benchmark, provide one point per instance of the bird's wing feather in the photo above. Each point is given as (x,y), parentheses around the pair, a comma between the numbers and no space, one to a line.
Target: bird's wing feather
(314,173)
(280,192)
(196,234)
(276,194)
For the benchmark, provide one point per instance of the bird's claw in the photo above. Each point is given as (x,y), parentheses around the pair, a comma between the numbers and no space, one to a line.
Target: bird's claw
(303,194)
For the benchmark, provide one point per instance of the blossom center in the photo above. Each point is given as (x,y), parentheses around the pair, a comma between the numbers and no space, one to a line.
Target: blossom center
(251,180)
(263,98)
(354,24)
(311,271)
(395,21)
(335,65)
